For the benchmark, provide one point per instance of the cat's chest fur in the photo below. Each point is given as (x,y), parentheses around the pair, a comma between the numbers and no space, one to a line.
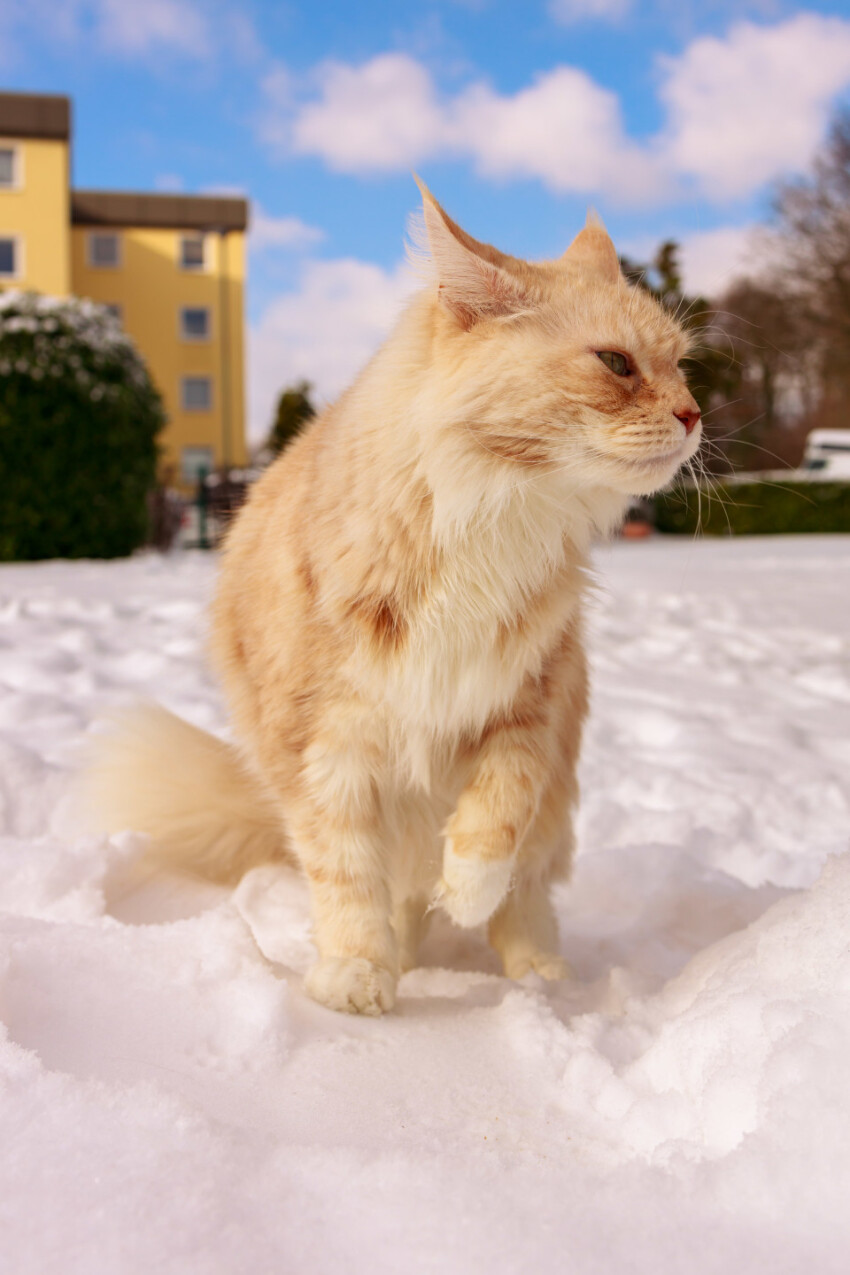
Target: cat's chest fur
(505,589)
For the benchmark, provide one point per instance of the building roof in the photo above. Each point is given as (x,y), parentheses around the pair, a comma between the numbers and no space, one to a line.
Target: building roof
(35,115)
(169,212)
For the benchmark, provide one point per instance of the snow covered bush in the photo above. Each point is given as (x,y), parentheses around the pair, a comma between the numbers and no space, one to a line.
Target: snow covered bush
(79,416)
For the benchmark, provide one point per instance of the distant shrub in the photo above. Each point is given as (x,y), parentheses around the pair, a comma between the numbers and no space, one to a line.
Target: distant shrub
(79,417)
(294,410)
(755,509)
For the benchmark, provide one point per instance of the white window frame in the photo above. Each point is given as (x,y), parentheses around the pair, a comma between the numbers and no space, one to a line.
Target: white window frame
(204,238)
(17,150)
(119,255)
(186,407)
(185,335)
(19,271)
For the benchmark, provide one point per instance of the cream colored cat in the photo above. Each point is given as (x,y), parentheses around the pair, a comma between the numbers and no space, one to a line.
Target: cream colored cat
(398,623)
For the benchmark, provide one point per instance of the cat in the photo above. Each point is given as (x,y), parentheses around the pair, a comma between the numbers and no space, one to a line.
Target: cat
(398,621)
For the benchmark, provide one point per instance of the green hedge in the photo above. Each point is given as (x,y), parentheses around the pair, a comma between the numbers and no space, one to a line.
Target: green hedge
(79,417)
(755,508)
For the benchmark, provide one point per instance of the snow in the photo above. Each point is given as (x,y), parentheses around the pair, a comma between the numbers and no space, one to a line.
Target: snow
(57,332)
(170,1101)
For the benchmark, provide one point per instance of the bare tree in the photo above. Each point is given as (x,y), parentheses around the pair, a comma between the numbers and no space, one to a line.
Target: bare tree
(813,223)
(772,379)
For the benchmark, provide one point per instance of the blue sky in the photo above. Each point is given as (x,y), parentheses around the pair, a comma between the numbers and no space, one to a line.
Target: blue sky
(672,119)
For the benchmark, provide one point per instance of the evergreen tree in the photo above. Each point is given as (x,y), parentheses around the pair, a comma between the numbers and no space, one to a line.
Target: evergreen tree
(79,416)
(294,410)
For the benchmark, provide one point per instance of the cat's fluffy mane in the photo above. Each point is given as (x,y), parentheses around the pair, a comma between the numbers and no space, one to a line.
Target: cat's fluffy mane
(398,620)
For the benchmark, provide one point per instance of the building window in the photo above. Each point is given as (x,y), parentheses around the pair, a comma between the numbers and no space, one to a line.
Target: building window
(195,323)
(192,252)
(10,257)
(195,462)
(104,250)
(10,168)
(196,393)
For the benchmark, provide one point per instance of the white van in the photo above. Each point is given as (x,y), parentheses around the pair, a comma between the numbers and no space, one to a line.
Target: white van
(827,455)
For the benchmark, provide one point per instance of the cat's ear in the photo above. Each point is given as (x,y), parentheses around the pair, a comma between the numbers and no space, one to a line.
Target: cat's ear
(593,251)
(472,277)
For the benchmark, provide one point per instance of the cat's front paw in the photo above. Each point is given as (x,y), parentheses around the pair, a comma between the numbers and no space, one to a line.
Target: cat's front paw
(351,985)
(471,888)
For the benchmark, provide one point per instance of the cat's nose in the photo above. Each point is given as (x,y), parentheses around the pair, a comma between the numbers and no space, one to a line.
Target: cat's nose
(689,418)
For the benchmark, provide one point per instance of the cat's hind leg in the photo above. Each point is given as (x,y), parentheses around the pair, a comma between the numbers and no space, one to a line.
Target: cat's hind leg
(410,921)
(524,932)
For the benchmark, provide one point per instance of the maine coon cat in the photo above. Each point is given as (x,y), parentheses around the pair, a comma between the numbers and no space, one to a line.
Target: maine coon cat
(398,624)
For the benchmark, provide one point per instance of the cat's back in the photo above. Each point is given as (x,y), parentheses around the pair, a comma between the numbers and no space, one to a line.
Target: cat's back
(262,589)
(264,551)
(273,499)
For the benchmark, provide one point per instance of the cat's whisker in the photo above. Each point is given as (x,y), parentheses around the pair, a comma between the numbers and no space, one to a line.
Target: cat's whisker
(721,407)
(712,490)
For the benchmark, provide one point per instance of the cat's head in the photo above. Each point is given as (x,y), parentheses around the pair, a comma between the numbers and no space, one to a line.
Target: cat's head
(560,364)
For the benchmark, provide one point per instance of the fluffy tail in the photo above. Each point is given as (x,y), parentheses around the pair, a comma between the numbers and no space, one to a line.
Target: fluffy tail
(192,794)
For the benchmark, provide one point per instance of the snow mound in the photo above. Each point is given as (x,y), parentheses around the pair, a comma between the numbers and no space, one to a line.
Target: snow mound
(170,1100)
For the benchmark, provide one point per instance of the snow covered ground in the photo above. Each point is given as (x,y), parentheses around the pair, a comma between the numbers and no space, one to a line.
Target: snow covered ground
(170,1101)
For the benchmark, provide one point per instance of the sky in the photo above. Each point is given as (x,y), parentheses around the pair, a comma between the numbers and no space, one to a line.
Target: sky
(672,119)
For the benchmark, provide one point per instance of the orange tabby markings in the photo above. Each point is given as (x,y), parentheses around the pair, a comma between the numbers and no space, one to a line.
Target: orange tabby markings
(398,624)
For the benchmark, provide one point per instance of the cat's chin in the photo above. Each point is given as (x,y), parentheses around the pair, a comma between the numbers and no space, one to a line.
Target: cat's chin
(644,477)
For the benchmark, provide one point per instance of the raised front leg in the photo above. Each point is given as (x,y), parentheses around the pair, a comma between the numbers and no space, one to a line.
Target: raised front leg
(339,836)
(493,813)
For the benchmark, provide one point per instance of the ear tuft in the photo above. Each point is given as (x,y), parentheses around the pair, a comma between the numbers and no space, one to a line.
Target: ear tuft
(472,284)
(593,251)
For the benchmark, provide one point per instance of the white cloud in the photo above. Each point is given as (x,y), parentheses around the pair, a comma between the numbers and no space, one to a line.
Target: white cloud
(273,122)
(266,232)
(564,129)
(740,111)
(135,30)
(382,115)
(169,182)
(324,331)
(749,107)
(711,260)
(386,115)
(138,29)
(569,11)
(227,190)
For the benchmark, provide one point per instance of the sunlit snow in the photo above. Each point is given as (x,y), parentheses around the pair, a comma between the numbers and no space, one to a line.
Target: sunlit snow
(171,1102)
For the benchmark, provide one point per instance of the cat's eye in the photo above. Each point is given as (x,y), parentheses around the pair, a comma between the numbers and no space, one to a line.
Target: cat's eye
(618,363)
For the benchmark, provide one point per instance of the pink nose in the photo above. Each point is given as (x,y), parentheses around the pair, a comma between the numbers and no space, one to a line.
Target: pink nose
(689,418)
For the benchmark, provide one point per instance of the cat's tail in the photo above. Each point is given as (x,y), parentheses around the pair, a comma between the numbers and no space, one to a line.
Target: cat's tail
(203,809)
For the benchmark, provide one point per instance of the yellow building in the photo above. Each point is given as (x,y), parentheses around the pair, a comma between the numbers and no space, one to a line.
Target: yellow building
(171,266)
